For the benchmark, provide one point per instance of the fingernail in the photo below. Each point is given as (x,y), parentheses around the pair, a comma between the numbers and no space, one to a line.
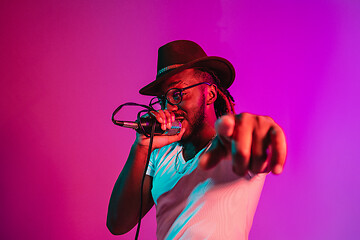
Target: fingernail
(169,125)
(277,169)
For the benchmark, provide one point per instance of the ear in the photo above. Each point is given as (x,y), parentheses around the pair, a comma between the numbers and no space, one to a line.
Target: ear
(212,94)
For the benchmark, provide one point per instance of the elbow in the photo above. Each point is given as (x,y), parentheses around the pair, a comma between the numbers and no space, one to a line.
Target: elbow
(116,229)
(113,229)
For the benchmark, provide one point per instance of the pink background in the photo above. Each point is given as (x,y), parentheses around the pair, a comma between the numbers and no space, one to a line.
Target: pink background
(66,65)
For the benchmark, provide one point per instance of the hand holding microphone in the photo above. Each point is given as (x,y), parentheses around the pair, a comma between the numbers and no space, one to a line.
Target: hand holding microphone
(167,129)
(144,126)
(166,119)
(165,123)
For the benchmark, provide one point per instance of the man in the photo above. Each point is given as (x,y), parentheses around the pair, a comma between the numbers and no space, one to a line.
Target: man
(205,181)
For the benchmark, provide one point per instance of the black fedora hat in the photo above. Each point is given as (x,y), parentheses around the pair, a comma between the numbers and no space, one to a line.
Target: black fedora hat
(179,55)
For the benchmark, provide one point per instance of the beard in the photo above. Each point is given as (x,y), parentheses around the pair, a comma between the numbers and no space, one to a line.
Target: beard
(198,123)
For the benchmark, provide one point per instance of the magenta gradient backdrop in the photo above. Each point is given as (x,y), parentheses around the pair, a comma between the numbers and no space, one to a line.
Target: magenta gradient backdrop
(66,65)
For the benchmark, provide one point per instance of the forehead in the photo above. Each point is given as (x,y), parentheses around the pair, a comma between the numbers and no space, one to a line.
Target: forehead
(180,80)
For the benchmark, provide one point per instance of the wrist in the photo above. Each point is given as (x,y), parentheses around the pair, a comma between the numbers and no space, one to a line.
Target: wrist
(140,146)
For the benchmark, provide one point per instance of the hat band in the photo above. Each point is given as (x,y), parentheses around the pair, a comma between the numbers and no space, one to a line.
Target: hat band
(168,68)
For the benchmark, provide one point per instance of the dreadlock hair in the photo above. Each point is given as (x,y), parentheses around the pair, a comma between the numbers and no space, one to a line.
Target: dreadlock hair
(224,104)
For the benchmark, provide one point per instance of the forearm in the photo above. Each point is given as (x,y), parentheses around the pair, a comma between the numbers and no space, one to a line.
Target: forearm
(124,202)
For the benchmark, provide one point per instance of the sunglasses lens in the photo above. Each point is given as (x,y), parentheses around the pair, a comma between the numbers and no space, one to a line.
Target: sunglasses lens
(174,96)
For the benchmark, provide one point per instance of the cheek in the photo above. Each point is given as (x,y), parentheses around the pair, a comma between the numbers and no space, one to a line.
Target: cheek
(192,102)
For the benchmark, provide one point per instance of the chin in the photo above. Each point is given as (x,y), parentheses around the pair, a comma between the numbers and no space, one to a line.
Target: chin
(185,124)
(187,135)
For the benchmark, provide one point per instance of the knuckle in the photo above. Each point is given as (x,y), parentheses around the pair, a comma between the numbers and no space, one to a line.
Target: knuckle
(261,122)
(256,118)
(155,114)
(243,115)
(161,113)
(270,119)
(245,118)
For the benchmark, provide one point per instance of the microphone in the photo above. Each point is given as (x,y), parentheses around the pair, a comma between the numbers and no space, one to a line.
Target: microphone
(144,126)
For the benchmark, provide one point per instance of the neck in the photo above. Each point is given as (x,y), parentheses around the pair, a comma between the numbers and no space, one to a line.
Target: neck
(202,137)
(197,142)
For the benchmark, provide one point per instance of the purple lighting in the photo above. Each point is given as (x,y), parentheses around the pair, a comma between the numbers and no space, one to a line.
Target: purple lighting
(66,65)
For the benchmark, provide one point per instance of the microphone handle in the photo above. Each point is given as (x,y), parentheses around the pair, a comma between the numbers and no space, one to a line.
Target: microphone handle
(146,125)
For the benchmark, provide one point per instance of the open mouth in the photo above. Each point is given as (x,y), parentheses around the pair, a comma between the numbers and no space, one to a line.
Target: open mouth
(180,119)
(179,116)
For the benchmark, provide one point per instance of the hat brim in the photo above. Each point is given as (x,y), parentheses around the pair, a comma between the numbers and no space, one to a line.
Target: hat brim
(223,69)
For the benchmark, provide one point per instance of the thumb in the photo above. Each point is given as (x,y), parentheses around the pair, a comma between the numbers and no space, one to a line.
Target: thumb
(220,148)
